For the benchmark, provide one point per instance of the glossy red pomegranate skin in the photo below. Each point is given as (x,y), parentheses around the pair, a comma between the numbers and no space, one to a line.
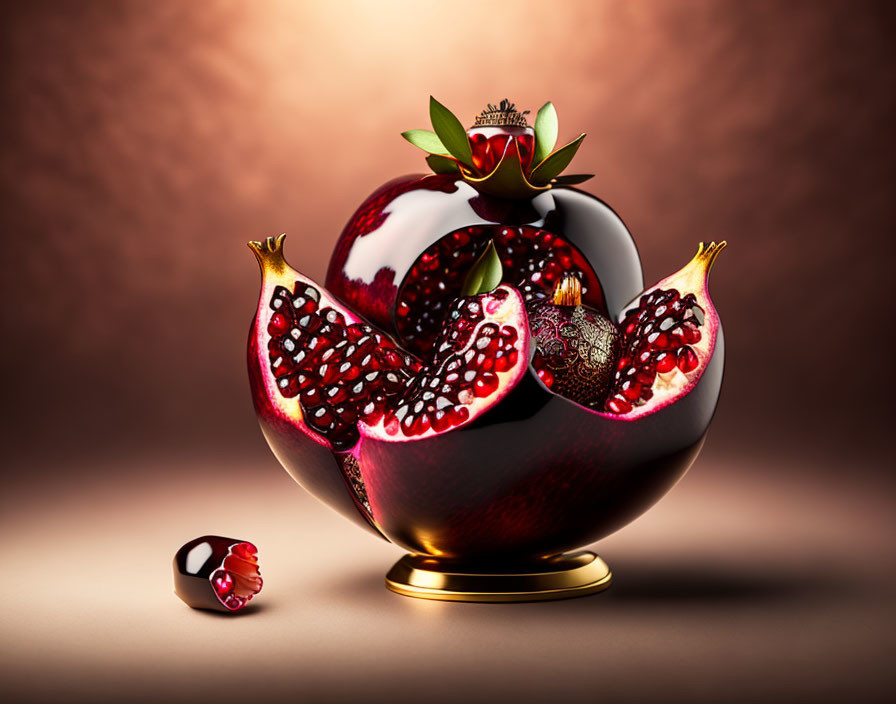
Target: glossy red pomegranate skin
(400,220)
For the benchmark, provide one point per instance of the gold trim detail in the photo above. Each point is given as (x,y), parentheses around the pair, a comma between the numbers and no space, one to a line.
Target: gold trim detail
(559,577)
(568,291)
(501,115)
(269,253)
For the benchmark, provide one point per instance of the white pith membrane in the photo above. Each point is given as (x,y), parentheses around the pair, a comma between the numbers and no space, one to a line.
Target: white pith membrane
(283,286)
(669,386)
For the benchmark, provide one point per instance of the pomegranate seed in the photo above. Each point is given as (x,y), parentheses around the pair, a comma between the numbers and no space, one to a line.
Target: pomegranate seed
(440,421)
(691,333)
(665,362)
(546,377)
(223,584)
(460,414)
(502,361)
(659,340)
(485,385)
(278,325)
(646,376)
(631,390)
(687,359)
(618,404)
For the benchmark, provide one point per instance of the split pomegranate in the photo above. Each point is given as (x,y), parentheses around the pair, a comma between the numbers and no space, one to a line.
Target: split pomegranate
(463,453)
(341,371)
(668,336)
(467,451)
(339,379)
(347,375)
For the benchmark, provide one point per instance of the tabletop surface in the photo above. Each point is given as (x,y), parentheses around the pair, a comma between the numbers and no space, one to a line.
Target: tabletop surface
(738,585)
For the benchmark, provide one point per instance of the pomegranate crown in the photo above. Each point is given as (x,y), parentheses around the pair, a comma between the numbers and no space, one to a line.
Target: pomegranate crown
(528,162)
(502,115)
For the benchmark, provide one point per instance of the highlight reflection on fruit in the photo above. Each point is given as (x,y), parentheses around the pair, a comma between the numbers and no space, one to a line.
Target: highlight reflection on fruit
(441,421)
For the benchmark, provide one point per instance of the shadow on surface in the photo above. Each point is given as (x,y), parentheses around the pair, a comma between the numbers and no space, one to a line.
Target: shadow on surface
(658,584)
(250,609)
(662,584)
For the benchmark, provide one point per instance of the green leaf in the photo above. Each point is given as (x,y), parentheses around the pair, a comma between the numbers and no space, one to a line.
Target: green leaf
(546,130)
(572,179)
(450,132)
(442,164)
(426,140)
(556,162)
(486,273)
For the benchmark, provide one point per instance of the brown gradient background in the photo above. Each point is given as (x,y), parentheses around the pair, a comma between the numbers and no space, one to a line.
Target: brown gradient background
(144,143)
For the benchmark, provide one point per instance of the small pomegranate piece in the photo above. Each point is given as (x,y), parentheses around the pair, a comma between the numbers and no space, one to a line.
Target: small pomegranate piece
(668,337)
(217,573)
(576,346)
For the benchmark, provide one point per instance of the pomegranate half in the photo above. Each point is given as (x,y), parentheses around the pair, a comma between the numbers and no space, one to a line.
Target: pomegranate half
(465,453)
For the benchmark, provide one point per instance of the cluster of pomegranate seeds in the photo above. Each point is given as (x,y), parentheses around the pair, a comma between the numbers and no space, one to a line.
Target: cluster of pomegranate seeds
(534,261)
(238,578)
(345,373)
(468,356)
(341,372)
(657,339)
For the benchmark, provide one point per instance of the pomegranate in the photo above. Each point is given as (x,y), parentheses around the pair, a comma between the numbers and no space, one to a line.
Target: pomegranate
(669,335)
(576,346)
(217,573)
(402,256)
(466,453)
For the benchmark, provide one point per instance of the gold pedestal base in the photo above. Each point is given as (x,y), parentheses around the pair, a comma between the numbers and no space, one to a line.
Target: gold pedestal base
(560,577)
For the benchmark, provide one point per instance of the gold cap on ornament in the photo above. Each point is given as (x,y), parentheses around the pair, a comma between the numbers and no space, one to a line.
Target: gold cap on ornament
(502,115)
